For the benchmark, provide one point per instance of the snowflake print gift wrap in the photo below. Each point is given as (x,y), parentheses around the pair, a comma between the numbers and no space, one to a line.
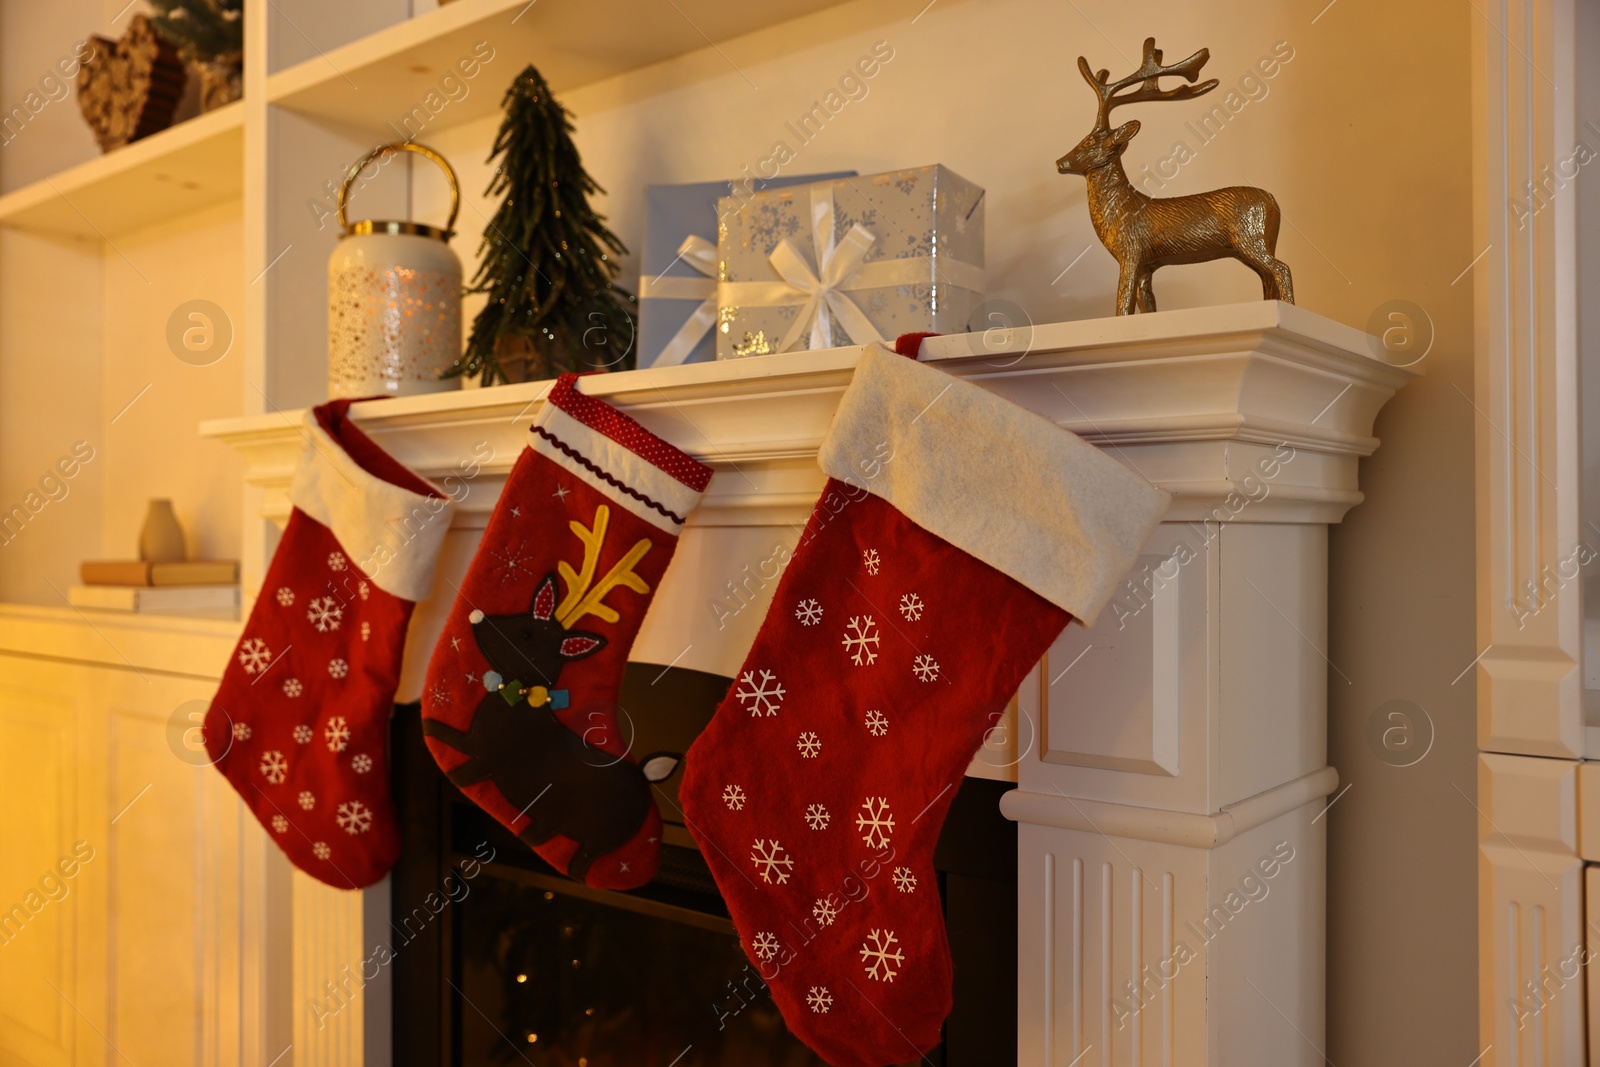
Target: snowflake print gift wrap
(315,671)
(904,622)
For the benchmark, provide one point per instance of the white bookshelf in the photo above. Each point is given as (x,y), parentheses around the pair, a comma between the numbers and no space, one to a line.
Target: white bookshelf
(371,81)
(178,171)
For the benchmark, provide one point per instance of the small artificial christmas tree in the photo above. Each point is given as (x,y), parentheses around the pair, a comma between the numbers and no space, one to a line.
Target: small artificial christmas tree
(548,259)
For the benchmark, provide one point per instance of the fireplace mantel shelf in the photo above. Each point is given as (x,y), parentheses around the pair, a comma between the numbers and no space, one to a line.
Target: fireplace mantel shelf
(1193,399)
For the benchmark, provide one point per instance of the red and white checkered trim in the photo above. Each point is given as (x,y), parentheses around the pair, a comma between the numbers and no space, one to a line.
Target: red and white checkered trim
(602,417)
(599,444)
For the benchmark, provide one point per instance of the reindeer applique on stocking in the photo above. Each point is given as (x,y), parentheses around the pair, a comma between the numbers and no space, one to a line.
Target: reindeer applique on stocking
(519,708)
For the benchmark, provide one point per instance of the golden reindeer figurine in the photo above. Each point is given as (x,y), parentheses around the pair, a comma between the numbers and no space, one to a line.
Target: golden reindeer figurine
(1146,232)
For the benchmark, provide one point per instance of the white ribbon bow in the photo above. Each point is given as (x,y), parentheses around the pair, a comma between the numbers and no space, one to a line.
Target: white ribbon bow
(836,263)
(822,293)
(700,254)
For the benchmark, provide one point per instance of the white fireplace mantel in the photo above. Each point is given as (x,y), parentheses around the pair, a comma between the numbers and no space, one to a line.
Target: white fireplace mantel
(1164,759)
(1191,398)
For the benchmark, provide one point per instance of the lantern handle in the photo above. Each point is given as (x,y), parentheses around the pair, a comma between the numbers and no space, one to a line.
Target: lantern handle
(401,146)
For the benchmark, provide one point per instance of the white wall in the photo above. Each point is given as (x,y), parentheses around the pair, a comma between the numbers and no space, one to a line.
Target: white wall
(1364,138)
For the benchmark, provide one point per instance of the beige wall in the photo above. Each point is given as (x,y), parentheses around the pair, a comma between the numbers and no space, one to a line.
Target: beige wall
(1364,137)
(84,353)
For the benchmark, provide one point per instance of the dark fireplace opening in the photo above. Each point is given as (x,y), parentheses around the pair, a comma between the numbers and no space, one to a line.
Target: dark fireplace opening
(500,960)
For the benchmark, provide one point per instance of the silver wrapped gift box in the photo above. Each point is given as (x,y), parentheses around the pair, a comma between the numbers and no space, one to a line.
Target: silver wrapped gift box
(848,261)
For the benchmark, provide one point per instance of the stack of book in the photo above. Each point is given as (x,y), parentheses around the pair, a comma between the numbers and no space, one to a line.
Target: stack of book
(192,587)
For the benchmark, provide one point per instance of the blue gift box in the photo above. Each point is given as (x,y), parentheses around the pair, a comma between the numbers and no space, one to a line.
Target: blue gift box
(678,266)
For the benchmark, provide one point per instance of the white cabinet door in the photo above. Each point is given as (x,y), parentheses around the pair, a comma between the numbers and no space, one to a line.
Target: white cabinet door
(119,872)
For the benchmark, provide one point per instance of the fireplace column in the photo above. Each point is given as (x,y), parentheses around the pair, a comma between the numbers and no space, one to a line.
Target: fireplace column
(1173,788)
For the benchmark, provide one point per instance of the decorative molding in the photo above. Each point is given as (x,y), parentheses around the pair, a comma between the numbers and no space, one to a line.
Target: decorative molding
(1163,825)
(1143,737)
(1233,383)
(328,958)
(1526,387)
(1530,910)
(1528,478)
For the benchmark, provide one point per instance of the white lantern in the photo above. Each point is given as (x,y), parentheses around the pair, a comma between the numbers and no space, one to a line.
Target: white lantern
(394,298)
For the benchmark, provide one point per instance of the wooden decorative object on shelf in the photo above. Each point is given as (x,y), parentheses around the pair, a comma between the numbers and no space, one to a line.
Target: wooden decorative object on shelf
(1145,232)
(221,80)
(130,88)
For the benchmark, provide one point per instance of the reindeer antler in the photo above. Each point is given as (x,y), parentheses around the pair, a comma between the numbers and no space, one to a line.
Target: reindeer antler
(1150,72)
(581,599)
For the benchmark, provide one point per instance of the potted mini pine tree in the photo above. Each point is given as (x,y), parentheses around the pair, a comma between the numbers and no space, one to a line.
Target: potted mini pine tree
(547,259)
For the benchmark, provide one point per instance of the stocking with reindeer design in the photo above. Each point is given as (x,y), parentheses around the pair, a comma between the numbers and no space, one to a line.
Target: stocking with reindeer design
(519,707)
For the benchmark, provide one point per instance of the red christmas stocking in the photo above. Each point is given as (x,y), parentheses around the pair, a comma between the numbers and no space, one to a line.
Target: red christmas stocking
(300,724)
(956,537)
(520,703)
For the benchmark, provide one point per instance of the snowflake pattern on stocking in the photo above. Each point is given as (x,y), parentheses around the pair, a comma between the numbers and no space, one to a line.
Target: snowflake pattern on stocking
(817,817)
(366,631)
(285,596)
(306,800)
(241,731)
(325,613)
(763,696)
(338,668)
(280,824)
(809,612)
(336,561)
(733,796)
(254,655)
(361,763)
(904,880)
(764,945)
(440,696)
(512,563)
(926,669)
(321,850)
(292,687)
(337,734)
(911,607)
(870,560)
(771,861)
(354,817)
(809,745)
(274,768)
(861,640)
(824,911)
(875,818)
(877,723)
(363,589)
(881,956)
(819,1000)
(303,734)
